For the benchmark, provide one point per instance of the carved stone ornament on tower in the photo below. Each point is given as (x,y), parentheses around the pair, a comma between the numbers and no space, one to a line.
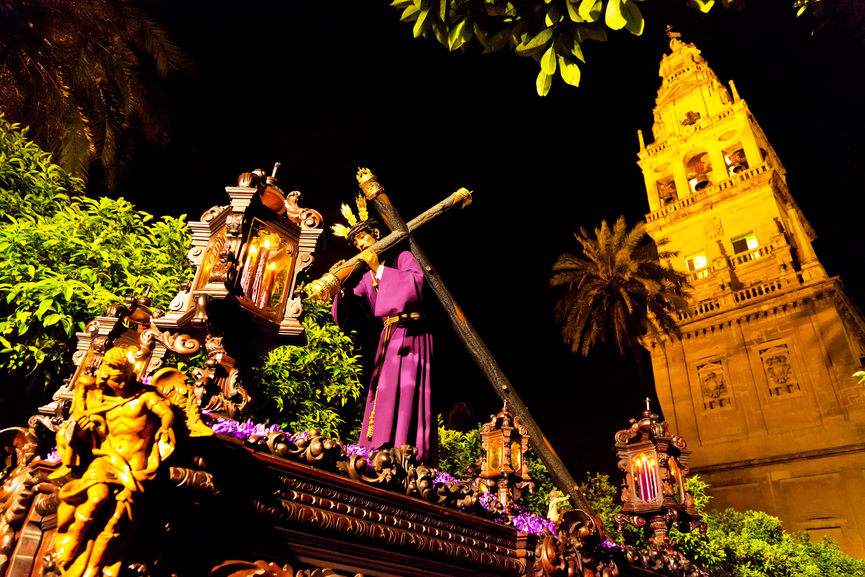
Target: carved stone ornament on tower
(713,228)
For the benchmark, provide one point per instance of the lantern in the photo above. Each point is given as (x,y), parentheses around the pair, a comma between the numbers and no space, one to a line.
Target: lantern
(503,469)
(248,256)
(655,464)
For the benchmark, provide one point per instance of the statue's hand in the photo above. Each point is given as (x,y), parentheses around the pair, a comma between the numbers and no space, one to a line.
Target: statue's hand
(337,264)
(163,435)
(84,422)
(370,258)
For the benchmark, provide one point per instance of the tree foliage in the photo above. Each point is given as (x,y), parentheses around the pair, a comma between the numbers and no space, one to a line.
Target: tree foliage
(458,450)
(84,75)
(65,258)
(313,387)
(549,31)
(618,289)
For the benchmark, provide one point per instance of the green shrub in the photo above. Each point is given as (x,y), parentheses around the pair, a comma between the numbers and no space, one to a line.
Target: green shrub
(63,259)
(457,450)
(313,387)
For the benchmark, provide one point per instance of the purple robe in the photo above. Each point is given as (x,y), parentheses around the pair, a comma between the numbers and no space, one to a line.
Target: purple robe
(400,385)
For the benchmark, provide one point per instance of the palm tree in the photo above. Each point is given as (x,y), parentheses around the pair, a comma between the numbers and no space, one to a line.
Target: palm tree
(619,289)
(83,75)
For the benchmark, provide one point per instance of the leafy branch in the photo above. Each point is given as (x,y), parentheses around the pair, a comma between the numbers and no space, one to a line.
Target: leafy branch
(549,31)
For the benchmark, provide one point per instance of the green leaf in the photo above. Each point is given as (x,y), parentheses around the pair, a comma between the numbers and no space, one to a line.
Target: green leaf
(552,17)
(481,34)
(574,12)
(419,25)
(409,13)
(614,16)
(401,3)
(443,10)
(570,71)
(459,34)
(538,41)
(703,5)
(43,307)
(440,33)
(577,50)
(455,34)
(543,83)
(636,23)
(498,41)
(51,319)
(548,61)
(590,10)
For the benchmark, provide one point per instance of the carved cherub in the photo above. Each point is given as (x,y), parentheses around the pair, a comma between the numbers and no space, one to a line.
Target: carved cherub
(555,498)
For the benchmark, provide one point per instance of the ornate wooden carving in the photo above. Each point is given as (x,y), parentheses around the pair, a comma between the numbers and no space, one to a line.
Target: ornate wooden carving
(580,547)
(265,569)
(395,469)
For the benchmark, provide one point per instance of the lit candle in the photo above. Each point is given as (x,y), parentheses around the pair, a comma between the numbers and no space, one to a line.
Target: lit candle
(654,478)
(248,268)
(267,286)
(259,274)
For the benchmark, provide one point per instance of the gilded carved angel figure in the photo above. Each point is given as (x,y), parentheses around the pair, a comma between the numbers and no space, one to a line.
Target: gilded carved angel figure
(119,434)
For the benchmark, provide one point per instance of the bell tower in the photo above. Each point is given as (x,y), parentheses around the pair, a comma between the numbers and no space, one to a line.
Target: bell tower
(761,381)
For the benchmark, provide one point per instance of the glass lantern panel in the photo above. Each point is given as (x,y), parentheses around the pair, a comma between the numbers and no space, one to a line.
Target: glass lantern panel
(678,482)
(217,243)
(645,471)
(265,271)
(495,453)
(516,454)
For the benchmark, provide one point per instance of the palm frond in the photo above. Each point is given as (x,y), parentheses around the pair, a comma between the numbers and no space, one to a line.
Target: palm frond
(617,288)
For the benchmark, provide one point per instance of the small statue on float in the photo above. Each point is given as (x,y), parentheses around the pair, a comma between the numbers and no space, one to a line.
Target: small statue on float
(119,433)
(556,498)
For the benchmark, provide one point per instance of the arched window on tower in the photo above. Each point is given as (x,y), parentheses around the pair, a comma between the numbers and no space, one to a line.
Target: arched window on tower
(734,158)
(667,193)
(697,168)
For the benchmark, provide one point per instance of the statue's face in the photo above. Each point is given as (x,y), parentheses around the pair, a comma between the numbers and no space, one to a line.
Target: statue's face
(363,240)
(114,377)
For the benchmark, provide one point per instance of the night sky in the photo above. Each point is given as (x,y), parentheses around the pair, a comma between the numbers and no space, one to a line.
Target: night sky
(325,87)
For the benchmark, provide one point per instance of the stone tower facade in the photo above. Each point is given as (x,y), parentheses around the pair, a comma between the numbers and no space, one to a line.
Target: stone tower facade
(761,381)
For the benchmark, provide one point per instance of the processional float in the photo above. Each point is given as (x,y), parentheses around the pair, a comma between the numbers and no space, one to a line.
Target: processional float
(141,486)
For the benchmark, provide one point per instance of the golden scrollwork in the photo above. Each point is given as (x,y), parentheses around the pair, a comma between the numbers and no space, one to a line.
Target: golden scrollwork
(463,195)
(323,289)
(369,184)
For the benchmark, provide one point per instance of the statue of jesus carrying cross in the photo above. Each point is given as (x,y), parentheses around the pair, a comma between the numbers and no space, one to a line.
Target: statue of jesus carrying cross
(398,410)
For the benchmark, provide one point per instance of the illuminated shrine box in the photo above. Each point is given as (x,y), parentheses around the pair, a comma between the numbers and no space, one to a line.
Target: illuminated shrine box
(248,256)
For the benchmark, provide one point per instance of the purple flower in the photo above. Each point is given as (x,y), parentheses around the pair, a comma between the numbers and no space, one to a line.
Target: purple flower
(356,450)
(444,478)
(242,431)
(487,499)
(297,436)
(526,522)
(607,544)
(53,456)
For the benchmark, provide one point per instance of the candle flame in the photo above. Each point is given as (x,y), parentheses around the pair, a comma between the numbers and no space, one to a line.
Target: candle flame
(272,265)
(266,243)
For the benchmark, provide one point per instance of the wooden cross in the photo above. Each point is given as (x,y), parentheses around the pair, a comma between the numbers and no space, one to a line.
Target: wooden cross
(330,283)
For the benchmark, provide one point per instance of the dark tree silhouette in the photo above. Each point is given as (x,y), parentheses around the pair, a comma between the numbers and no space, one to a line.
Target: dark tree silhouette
(85,76)
(618,289)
